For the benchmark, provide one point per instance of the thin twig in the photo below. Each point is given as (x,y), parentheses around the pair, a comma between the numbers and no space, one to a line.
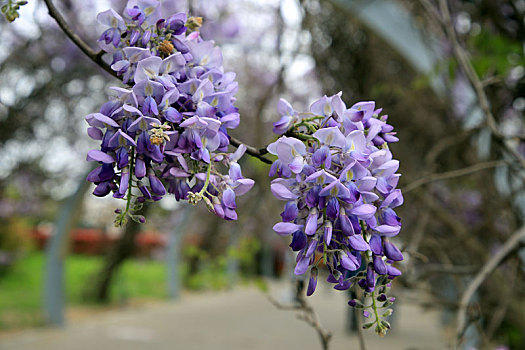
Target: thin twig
(452,174)
(81,44)
(252,151)
(449,269)
(359,320)
(466,65)
(485,271)
(308,315)
(499,315)
(416,239)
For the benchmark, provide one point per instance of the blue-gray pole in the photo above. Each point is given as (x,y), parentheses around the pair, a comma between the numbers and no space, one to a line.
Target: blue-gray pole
(56,249)
(173,252)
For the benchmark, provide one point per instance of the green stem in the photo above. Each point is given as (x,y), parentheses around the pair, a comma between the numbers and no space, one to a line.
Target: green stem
(374,307)
(311,119)
(309,126)
(207,182)
(131,162)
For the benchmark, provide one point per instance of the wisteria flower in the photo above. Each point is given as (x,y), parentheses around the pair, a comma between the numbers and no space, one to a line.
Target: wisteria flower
(339,183)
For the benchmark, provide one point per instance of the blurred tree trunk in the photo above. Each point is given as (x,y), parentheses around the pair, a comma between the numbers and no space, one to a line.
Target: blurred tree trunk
(118,254)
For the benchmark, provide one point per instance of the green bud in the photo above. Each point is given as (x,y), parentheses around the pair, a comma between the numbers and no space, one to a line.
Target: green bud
(11,15)
(120,220)
(368,325)
(388,313)
(137,218)
(194,23)
(387,303)
(381,330)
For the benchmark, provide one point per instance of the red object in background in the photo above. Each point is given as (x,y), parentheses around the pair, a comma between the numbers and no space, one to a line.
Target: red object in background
(94,241)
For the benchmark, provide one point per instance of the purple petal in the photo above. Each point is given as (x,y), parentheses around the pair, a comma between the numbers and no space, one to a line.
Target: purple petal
(298,241)
(311,223)
(348,263)
(328,233)
(392,252)
(281,192)
(364,211)
(302,266)
(242,186)
(156,185)
(286,228)
(95,133)
(312,282)
(392,271)
(370,276)
(358,243)
(387,230)
(380,265)
(140,168)
(228,198)
(99,156)
(375,245)
(311,248)
(290,211)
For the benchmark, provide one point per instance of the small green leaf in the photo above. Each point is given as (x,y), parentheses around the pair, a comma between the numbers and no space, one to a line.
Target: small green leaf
(368,325)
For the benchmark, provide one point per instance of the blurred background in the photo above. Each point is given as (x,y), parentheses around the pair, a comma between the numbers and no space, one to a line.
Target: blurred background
(61,259)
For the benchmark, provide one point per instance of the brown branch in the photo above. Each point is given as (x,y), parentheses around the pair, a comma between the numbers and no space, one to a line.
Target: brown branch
(443,16)
(449,269)
(252,151)
(308,315)
(497,317)
(452,174)
(509,246)
(81,44)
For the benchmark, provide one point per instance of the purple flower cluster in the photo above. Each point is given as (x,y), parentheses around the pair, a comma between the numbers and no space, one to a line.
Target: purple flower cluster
(167,131)
(338,178)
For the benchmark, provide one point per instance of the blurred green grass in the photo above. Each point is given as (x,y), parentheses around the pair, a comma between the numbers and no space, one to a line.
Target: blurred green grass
(21,287)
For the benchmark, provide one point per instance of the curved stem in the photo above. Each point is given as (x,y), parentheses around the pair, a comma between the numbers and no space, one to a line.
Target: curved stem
(510,245)
(207,182)
(81,44)
(252,151)
(130,184)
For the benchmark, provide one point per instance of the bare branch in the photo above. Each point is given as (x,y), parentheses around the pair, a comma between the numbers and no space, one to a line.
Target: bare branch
(81,44)
(466,65)
(510,245)
(307,314)
(449,269)
(499,315)
(252,151)
(452,174)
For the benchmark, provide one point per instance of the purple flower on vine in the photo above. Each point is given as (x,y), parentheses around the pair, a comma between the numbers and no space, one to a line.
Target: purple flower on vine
(168,132)
(339,183)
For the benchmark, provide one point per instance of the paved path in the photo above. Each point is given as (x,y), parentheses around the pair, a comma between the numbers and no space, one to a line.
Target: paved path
(232,320)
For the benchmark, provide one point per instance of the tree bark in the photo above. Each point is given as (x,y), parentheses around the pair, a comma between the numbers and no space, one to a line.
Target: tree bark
(123,249)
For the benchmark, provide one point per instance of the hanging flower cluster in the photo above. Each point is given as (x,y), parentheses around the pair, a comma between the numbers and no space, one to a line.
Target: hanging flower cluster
(166,132)
(337,176)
